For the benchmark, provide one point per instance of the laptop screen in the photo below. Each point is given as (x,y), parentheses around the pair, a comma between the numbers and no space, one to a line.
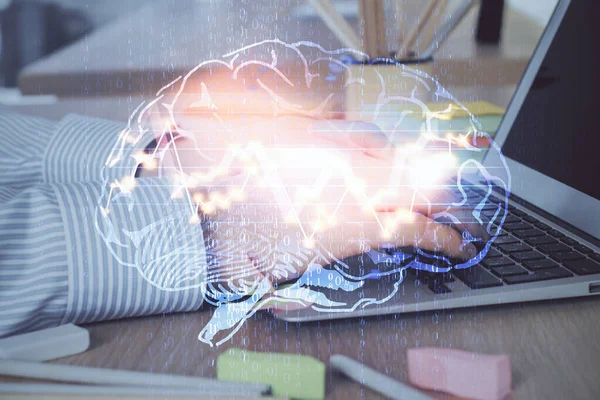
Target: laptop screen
(557,130)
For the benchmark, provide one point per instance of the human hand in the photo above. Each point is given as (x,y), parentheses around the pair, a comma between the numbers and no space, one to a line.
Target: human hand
(253,245)
(292,193)
(293,183)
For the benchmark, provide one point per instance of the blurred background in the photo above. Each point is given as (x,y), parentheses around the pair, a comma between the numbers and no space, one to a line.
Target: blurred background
(31,29)
(98,57)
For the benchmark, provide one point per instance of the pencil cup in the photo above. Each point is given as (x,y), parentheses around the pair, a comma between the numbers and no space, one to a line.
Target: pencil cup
(369,87)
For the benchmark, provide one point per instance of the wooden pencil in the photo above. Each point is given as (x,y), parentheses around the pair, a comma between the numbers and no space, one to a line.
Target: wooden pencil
(382,47)
(362,25)
(369,16)
(412,35)
(399,23)
(447,28)
(105,376)
(53,391)
(434,25)
(337,23)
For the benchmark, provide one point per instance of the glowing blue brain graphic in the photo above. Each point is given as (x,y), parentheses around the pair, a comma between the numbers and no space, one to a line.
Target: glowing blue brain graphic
(268,209)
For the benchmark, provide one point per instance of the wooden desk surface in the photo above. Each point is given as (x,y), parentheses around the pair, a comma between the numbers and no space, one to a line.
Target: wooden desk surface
(554,345)
(143,51)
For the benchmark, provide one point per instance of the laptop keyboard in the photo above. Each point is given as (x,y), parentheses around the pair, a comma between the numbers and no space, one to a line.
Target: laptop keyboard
(527,250)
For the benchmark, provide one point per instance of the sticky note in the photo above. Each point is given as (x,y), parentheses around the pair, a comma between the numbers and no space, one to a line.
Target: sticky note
(289,375)
(477,108)
(463,374)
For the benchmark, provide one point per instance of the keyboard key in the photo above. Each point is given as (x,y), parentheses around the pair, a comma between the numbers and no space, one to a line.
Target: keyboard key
(472,194)
(491,204)
(527,256)
(514,247)
(553,248)
(517,212)
(530,219)
(569,241)
(437,283)
(490,213)
(439,289)
(446,278)
(540,264)
(476,277)
(497,262)
(542,226)
(505,240)
(566,256)
(526,233)
(429,277)
(556,233)
(542,275)
(516,226)
(493,253)
(539,240)
(583,249)
(583,267)
(595,257)
(511,219)
(509,270)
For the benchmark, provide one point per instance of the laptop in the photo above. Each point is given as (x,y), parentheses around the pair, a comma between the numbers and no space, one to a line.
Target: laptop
(549,247)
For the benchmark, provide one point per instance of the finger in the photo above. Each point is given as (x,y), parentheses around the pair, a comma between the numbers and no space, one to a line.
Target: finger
(434,236)
(449,209)
(446,208)
(463,221)
(420,231)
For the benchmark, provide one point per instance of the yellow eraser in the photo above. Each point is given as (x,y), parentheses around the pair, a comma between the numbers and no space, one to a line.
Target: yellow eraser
(289,375)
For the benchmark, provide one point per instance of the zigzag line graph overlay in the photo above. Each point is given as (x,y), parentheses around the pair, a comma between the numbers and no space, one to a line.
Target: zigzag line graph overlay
(253,83)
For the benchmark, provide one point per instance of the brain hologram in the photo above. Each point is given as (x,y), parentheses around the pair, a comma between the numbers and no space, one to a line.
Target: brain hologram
(269,210)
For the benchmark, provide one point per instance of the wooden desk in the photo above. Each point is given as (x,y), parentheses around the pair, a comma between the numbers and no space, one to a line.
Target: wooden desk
(144,50)
(554,346)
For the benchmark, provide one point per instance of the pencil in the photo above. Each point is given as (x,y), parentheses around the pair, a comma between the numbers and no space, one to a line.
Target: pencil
(432,27)
(399,23)
(336,22)
(416,28)
(52,391)
(375,380)
(445,31)
(382,50)
(369,16)
(104,376)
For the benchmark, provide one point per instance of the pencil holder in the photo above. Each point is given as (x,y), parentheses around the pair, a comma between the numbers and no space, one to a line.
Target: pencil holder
(369,86)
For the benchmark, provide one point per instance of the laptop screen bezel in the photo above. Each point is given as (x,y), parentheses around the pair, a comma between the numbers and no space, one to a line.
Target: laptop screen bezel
(548,194)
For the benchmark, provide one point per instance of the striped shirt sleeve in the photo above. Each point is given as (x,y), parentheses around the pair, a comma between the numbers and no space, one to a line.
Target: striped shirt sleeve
(63,260)
(23,143)
(81,146)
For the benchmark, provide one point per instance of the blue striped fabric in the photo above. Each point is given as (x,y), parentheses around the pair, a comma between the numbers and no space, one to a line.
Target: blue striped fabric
(24,140)
(55,264)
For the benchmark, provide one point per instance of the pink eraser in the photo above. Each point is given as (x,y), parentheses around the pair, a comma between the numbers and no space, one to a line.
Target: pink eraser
(463,374)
